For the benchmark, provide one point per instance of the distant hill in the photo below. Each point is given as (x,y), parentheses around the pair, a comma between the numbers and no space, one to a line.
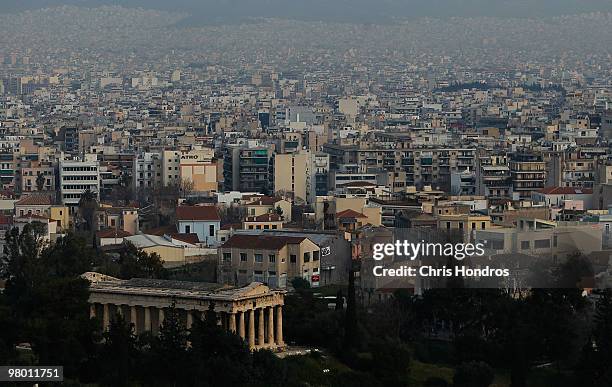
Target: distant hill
(336,10)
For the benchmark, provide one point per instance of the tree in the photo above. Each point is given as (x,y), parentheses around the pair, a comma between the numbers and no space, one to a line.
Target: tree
(119,354)
(168,361)
(69,256)
(300,284)
(88,205)
(48,300)
(123,192)
(22,267)
(339,300)
(135,263)
(473,374)
(40,181)
(351,328)
(216,351)
(594,368)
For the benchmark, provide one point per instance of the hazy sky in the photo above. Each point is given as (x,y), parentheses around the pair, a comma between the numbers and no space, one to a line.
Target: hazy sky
(339,10)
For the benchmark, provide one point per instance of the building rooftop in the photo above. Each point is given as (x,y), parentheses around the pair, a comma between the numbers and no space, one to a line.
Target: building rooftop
(169,288)
(35,199)
(197,213)
(565,191)
(261,242)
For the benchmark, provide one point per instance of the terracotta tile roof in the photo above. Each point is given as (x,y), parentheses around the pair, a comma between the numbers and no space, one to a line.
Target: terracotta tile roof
(112,233)
(161,231)
(187,238)
(565,191)
(34,216)
(35,199)
(263,201)
(350,214)
(261,242)
(210,213)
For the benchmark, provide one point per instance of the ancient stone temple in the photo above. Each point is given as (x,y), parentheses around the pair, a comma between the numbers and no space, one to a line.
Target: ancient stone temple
(255,312)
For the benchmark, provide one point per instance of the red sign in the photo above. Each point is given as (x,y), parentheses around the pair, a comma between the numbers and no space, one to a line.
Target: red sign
(315,278)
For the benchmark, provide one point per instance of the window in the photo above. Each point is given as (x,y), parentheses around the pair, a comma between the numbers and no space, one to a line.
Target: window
(306,257)
(274,227)
(460,225)
(315,255)
(448,225)
(187,229)
(211,230)
(542,244)
(243,257)
(259,258)
(497,244)
(525,245)
(227,257)
(473,225)
(272,258)
(293,258)
(484,225)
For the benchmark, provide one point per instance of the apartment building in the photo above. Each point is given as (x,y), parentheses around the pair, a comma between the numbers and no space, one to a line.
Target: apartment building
(247,169)
(37,178)
(295,173)
(76,177)
(528,173)
(147,170)
(270,259)
(538,237)
(199,168)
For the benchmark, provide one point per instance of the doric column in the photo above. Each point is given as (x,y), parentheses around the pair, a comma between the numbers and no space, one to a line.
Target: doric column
(134,318)
(147,318)
(241,325)
(92,310)
(105,317)
(232,322)
(189,319)
(260,331)
(161,316)
(279,326)
(251,329)
(270,326)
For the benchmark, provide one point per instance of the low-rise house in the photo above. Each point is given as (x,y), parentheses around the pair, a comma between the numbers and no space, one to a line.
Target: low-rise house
(272,259)
(261,205)
(111,237)
(263,222)
(204,221)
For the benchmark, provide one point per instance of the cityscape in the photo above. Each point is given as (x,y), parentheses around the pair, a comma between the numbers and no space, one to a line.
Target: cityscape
(271,194)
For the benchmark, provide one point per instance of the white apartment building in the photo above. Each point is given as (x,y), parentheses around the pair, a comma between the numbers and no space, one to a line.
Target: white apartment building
(77,177)
(147,170)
